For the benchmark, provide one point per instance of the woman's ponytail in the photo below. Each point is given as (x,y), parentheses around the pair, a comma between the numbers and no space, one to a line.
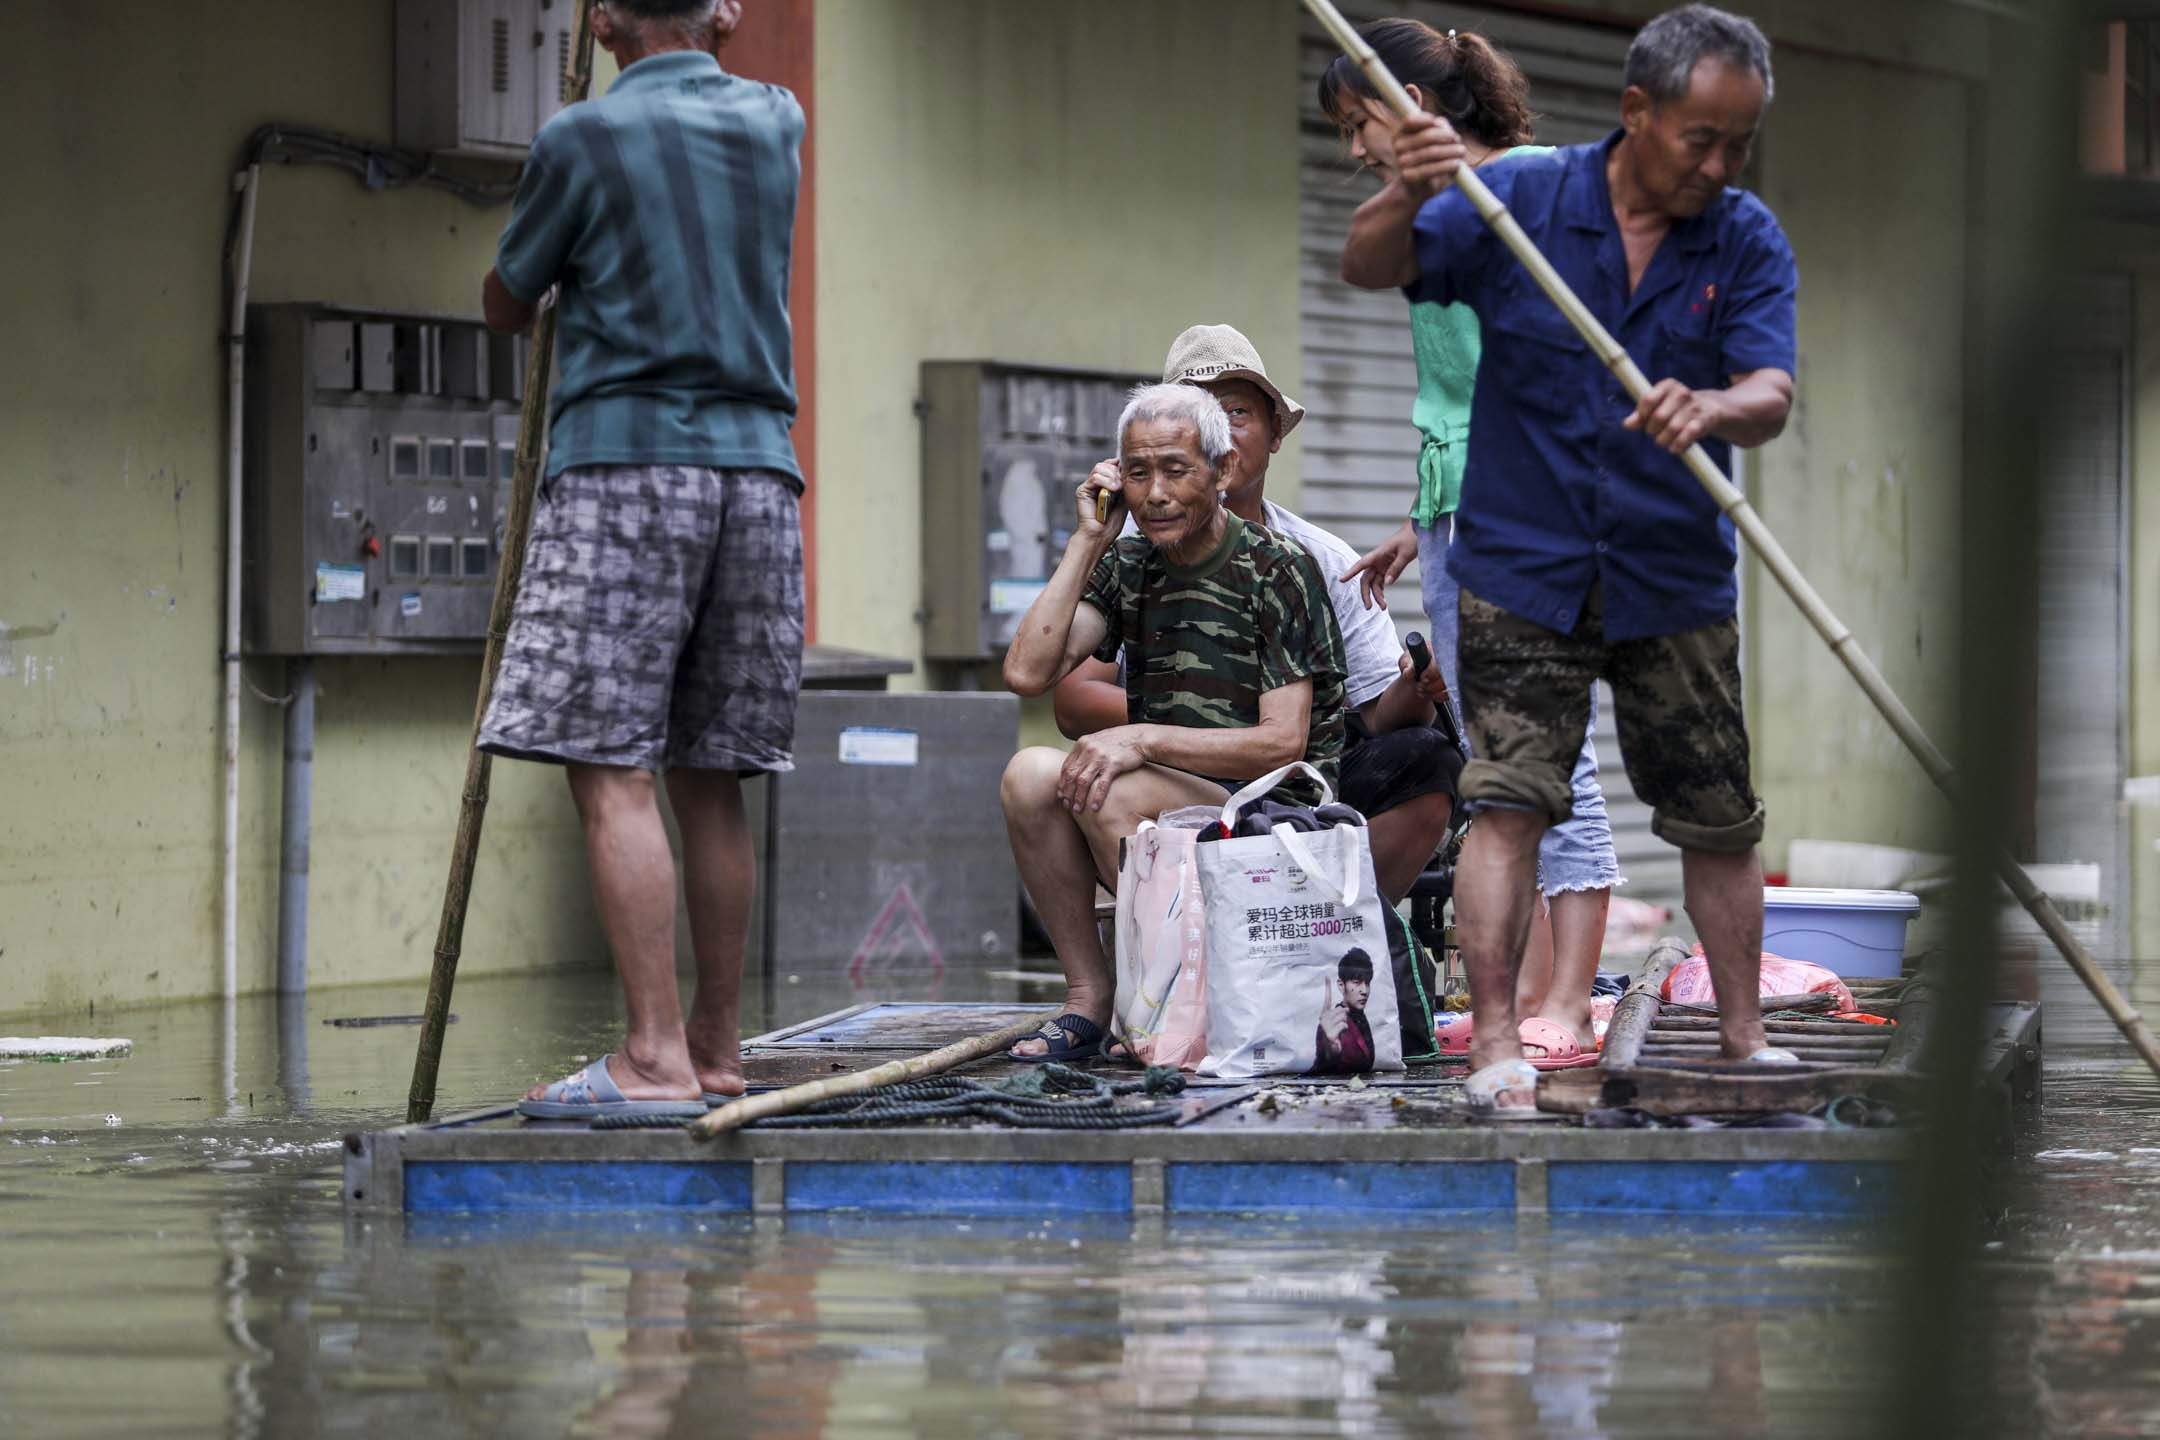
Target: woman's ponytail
(1465,78)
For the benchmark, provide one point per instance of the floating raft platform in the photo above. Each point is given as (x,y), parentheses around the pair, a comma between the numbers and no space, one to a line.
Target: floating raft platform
(1289,1146)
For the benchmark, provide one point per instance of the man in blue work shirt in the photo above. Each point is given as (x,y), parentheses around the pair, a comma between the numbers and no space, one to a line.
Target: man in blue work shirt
(659,626)
(1583,546)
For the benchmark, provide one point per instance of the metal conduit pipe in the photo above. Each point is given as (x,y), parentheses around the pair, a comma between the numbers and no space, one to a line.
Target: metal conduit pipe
(235,355)
(298,817)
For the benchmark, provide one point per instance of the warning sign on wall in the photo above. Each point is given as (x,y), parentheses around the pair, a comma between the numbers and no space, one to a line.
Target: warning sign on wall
(898,946)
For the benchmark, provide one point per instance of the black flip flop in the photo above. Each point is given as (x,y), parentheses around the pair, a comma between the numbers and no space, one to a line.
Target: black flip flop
(1059,1035)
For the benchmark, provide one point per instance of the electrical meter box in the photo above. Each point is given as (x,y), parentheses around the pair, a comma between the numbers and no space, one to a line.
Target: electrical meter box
(1004,449)
(479,78)
(380,450)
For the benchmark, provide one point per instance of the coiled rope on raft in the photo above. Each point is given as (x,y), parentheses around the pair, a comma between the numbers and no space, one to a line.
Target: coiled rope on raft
(1047,1097)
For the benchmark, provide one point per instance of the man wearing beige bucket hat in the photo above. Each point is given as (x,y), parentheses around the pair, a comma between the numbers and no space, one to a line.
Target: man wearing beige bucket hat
(1398,768)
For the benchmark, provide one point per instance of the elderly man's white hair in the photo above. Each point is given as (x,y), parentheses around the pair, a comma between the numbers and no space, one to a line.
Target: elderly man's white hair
(692,20)
(1179,404)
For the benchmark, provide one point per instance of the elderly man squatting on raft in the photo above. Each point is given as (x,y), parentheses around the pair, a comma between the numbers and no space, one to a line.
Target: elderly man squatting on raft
(1403,784)
(1399,767)
(1583,546)
(1234,668)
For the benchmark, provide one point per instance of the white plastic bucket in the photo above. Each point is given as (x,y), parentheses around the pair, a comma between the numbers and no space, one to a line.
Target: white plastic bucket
(1853,932)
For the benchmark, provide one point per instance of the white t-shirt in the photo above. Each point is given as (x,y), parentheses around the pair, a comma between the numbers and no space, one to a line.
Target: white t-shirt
(1371,648)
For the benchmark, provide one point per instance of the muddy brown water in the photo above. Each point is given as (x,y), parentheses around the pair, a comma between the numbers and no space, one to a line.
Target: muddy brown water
(176,1262)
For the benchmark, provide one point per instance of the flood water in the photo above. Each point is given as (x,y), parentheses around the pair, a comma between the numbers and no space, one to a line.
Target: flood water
(176,1262)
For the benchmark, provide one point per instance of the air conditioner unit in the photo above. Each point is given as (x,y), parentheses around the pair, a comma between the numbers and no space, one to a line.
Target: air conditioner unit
(478,78)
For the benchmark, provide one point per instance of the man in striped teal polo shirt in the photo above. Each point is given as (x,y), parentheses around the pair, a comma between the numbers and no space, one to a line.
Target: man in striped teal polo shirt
(659,626)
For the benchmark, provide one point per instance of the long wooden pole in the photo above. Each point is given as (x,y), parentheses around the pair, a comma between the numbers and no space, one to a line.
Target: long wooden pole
(738,1113)
(1841,640)
(479,765)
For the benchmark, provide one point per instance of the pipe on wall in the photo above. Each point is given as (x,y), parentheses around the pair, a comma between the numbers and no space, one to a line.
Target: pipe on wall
(298,817)
(247,184)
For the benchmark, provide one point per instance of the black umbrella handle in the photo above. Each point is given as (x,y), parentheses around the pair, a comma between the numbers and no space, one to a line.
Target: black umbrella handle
(1420,653)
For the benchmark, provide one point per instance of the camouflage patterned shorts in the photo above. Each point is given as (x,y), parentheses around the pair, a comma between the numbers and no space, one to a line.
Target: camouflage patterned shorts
(659,622)
(1526,690)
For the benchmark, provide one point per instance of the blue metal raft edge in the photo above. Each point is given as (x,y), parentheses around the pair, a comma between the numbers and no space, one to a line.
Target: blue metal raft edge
(1337,1155)
(1851,1176)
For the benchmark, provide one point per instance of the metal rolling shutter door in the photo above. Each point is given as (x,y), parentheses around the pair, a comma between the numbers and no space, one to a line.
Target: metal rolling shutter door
(1360,450)
(2082,663)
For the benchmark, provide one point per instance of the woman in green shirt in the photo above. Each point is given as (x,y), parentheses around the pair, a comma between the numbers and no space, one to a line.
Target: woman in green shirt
(1464,78)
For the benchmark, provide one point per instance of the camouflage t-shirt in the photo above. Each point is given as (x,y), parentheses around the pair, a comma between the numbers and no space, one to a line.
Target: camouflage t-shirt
(1202,645)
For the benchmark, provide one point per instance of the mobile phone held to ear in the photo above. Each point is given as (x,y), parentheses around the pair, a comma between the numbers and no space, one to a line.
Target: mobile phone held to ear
(1107,501)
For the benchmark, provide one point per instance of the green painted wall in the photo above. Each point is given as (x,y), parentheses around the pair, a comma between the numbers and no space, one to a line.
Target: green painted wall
(1863,486)
(995,180)
(1064,184)
(111,469)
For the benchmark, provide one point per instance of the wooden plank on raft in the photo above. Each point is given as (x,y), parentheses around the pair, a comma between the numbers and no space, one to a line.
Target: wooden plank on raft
(1667,1056)
(1813,1000)
(1826,1025)
(1867,1044)
(1668,1092)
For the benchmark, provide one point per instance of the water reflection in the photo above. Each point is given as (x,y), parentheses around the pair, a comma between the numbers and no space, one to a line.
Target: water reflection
(202,1237)
(672,1326)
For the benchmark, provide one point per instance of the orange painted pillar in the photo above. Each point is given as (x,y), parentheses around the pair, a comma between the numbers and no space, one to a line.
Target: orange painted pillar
(774,44)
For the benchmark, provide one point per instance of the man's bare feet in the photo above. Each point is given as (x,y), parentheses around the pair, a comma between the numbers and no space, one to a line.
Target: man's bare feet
(1740,1040)
(721,1079)
(716,1055)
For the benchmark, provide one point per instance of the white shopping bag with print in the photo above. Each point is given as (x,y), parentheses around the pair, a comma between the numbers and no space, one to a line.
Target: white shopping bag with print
(1297,954)
(1161,1006)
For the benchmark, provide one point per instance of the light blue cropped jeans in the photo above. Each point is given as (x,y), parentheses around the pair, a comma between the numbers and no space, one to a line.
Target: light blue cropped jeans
(1578,853)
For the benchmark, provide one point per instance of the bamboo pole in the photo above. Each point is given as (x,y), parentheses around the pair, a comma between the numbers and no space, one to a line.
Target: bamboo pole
(479,765)
(1638,1009)
(1841,640)
(1916,1024)
(738,1113)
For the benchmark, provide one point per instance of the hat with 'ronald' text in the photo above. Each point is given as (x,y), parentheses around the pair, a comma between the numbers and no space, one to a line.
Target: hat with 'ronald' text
(1207,353)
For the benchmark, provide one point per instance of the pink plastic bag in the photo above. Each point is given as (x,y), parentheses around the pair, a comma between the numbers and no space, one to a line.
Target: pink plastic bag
(1689,982)
(1161,1006)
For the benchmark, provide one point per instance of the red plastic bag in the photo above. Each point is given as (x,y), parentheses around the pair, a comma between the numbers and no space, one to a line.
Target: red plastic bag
(1689,982)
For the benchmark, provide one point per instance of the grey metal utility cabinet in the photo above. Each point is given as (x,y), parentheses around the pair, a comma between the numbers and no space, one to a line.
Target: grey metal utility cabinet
(1004,447)
(478,78)
(379,453)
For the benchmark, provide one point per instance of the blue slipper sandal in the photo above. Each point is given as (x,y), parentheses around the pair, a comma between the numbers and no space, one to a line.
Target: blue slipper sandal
(1069,1037)
(592,1093)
